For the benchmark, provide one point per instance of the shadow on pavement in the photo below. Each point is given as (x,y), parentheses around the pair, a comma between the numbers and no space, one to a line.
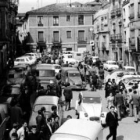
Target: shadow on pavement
(120,138)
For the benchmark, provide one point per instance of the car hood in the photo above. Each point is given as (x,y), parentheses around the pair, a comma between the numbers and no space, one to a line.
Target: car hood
(93,110)
(16,81)
(76,80)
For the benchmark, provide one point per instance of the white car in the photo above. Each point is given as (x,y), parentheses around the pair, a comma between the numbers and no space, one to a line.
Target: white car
(32,55)
(130,69)
(70,61)
(24,60)
(110,65)
(92,108)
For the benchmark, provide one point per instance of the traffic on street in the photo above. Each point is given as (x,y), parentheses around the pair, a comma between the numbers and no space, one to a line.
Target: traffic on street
(39,98)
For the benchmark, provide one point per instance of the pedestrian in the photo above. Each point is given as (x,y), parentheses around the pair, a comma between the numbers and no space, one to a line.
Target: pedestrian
(94,81)
(48,92)
(112,122)
(55,124)
(114,87)
(130,102)
(23,132)
(108,88)
(39,120)
(58,75)
(54,114)
(14,136)
(119,102)
(13,130)
(68,96)
(121,86)
(79,105)
(110,100)
(136,105)
(33,135)
(16,114)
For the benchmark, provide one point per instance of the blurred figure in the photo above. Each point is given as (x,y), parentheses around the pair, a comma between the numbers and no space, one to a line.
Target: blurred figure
(108,88)
(121,86)
(33,135)
(68,96)
(114,87)
(110,100)
(130,102)
(13,131)
(55,124)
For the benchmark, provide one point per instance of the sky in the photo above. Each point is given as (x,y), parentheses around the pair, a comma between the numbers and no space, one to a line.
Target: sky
(27,5)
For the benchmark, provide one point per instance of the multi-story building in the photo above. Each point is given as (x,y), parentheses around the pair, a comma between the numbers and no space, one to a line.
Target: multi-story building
(134,11)
(101,30)
(126,32)
(116,29)
(61,27)
(8,12)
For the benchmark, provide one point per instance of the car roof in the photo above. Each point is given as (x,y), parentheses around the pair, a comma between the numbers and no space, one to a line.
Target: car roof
(22,57)
(91,94)
(47,100)
(80,127)
(44,66)
(21,66)
(69,68)
(129,67)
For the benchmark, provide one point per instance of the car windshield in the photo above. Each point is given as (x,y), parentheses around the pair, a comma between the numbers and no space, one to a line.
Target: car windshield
(91,100)
(74,74)
(130,69)
(39,106)
(46,73)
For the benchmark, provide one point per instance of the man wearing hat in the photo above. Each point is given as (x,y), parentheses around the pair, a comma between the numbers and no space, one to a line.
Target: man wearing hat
(112,122)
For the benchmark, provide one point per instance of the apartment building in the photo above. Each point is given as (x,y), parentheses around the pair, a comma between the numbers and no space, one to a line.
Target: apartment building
(8,12)
(126,32)
(101,30)
(134,16)
(61,27)
(116,30)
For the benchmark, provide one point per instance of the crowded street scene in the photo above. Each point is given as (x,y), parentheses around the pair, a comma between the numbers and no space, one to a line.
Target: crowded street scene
(65,77)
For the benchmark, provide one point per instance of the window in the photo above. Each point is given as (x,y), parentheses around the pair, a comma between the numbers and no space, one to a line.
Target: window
(68,18)
(139,10)
(56,36)
(55,21)
(68,34)
(40,36)
(81,35)
(69,49)
(81,19)
(40,19)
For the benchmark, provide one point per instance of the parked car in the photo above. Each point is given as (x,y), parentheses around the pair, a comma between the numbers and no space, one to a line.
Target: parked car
(16,75)
(32,55)
(42,101)
(92,107)
(110,65)
(72,75)
(130,69)
(24,60)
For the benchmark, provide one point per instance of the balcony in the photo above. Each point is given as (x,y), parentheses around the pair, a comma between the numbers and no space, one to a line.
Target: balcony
(82,41)
(119,37)
(131,16)
(113,13)
(112,38)
(118,11)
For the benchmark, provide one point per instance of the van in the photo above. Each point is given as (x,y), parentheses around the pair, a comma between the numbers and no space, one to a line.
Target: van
(46,73)
(77,129)
(78,56)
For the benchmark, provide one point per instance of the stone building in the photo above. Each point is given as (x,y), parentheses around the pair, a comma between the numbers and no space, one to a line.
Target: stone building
(8,12)
(67,27)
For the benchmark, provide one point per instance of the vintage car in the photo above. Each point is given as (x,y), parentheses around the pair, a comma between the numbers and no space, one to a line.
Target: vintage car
(92,108)
(76,129)
(16,75)
(131,69)
(45,73)
(110,65)
(42,101)
(72,76)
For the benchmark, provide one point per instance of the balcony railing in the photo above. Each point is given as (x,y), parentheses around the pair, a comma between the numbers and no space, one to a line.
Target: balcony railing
(119,37)
(113,13)
(112,38)
(118,11)
(82,41)
(131,16)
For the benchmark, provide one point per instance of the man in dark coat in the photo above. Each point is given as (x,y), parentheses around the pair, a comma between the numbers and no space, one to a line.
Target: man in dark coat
(108,88)
(112,122)
(119,102)
(68,96)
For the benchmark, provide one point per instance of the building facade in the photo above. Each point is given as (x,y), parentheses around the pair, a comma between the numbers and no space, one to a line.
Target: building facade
(134,16)
(8,12)
(116,30)
(126,32)
(61,27)
(101,30)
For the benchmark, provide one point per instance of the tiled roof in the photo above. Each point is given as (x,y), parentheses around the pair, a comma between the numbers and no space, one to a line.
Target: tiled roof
(63,8)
